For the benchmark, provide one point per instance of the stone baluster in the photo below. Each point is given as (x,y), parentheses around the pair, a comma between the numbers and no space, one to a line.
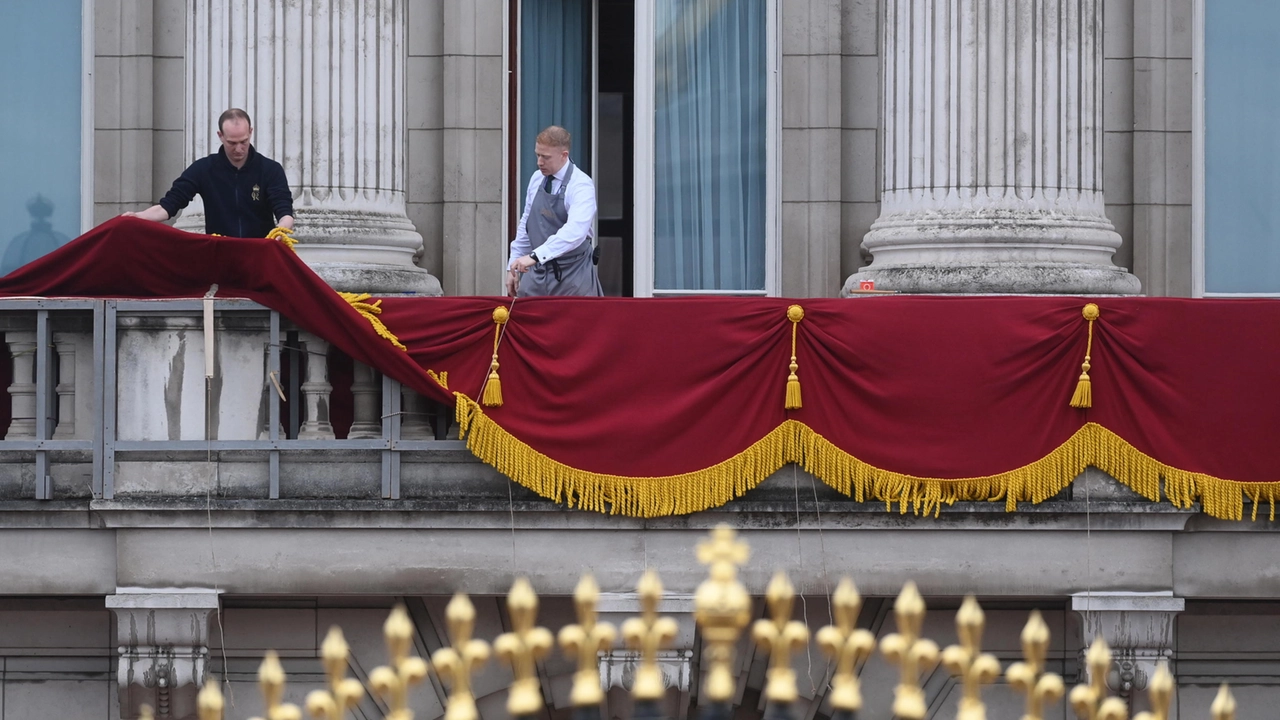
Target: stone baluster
(366,393)
(414,423)
(22,390)
(65,345)
(316,390)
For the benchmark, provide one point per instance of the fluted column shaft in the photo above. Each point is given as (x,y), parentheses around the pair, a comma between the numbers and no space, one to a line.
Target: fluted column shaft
(992,173)
(324,81)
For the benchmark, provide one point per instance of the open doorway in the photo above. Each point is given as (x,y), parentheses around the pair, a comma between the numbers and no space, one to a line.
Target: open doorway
(574,66)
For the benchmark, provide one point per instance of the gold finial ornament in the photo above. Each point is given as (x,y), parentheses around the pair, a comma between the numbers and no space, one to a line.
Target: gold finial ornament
(1224,705)
(910,653)
(456,664)
(271,679)
(967,661)
(722,607)
(780,637)
(847,645)
(648,634)
(146,713)
(344,692)
(522,648)
(209,702)
(584,640)
(1090,701)
(1160,691)
(1028,676)
(392,682)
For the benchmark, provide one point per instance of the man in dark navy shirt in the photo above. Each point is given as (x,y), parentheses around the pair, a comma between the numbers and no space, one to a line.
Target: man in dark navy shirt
(245,194)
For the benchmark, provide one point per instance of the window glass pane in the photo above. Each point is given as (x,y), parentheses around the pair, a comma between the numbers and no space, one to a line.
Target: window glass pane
(40,142)
(1242,146)
(555,75)
(709,144)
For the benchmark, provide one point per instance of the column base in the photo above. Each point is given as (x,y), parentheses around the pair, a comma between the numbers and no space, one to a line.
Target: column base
(378,279)
(997,278)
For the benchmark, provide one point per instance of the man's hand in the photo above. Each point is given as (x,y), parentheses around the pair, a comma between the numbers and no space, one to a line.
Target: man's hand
(522,265)
(513,283)
(155,213)
(286,222)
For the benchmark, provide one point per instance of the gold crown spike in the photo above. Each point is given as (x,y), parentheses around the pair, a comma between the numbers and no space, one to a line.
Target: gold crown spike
(1224,705)
(721,607)
(967,661)
(780,637)
(522,648)
(847,646)
(1029,677)
(1160,691)
(271,679)
(912,654)
(1090,701)
(392,682)
(649,634)
(344,692)
(586,639)
(209,702)
(456,664)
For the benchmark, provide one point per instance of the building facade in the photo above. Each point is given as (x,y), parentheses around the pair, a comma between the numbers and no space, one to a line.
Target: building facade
(159,527)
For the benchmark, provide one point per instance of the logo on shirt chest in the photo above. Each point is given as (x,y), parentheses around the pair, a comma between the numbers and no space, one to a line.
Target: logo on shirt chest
(257,193)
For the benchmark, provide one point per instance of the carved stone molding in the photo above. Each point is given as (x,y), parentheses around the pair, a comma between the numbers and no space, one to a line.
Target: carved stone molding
(1138,626)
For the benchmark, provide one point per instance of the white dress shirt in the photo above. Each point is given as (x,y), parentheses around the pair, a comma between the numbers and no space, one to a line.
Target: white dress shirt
(579,202)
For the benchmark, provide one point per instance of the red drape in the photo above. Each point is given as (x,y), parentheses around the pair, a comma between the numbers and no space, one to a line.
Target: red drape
(926,387)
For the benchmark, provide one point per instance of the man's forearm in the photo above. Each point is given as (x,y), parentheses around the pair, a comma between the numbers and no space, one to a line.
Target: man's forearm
(155,213)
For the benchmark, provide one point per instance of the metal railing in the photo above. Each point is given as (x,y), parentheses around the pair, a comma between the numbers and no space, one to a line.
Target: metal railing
(48,384)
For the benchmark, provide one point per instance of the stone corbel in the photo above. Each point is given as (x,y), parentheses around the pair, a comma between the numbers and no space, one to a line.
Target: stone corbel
(1139,628)
(163,638)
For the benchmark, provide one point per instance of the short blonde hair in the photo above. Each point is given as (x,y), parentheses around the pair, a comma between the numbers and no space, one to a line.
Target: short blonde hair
(555,136)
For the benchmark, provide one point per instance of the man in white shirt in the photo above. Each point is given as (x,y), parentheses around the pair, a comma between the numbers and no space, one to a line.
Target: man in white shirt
(552,253)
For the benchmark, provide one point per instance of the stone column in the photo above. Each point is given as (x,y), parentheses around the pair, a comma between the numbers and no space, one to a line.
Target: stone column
(992,116)
(163,639)
(1139,627)
(324,81)
(22,389)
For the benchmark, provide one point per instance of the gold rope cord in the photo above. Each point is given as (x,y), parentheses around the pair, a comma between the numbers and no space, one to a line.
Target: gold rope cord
(370,311)
(795,442)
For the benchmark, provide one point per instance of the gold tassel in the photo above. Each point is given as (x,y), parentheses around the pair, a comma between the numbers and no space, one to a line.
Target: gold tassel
(1083,397)
(795,314)
(370,311)
(493,386)
(284,235)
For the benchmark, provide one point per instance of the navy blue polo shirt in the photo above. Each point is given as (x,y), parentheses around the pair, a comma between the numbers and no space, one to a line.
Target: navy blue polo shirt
(241,202)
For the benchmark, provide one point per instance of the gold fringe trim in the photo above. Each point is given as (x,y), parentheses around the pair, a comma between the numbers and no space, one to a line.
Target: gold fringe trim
(371,311)
(285,236)
(795,442)
(441,378)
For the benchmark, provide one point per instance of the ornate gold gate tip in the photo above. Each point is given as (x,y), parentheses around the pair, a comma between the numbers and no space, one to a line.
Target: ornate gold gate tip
(780,637)
(967,661)
(1028,676)
(392,682)
(910,653)
(722,608)
(847,645)
(584,641)
(209,702)
(649,634)
(1224,705)
(1090,701)
(456,664)
(344,693)
(271,679)
(522,648)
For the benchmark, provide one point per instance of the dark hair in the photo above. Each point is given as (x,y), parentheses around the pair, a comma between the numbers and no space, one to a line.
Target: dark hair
(555,136)
(233,114)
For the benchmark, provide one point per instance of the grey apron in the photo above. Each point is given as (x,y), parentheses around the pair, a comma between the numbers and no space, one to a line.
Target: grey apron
(571,274)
